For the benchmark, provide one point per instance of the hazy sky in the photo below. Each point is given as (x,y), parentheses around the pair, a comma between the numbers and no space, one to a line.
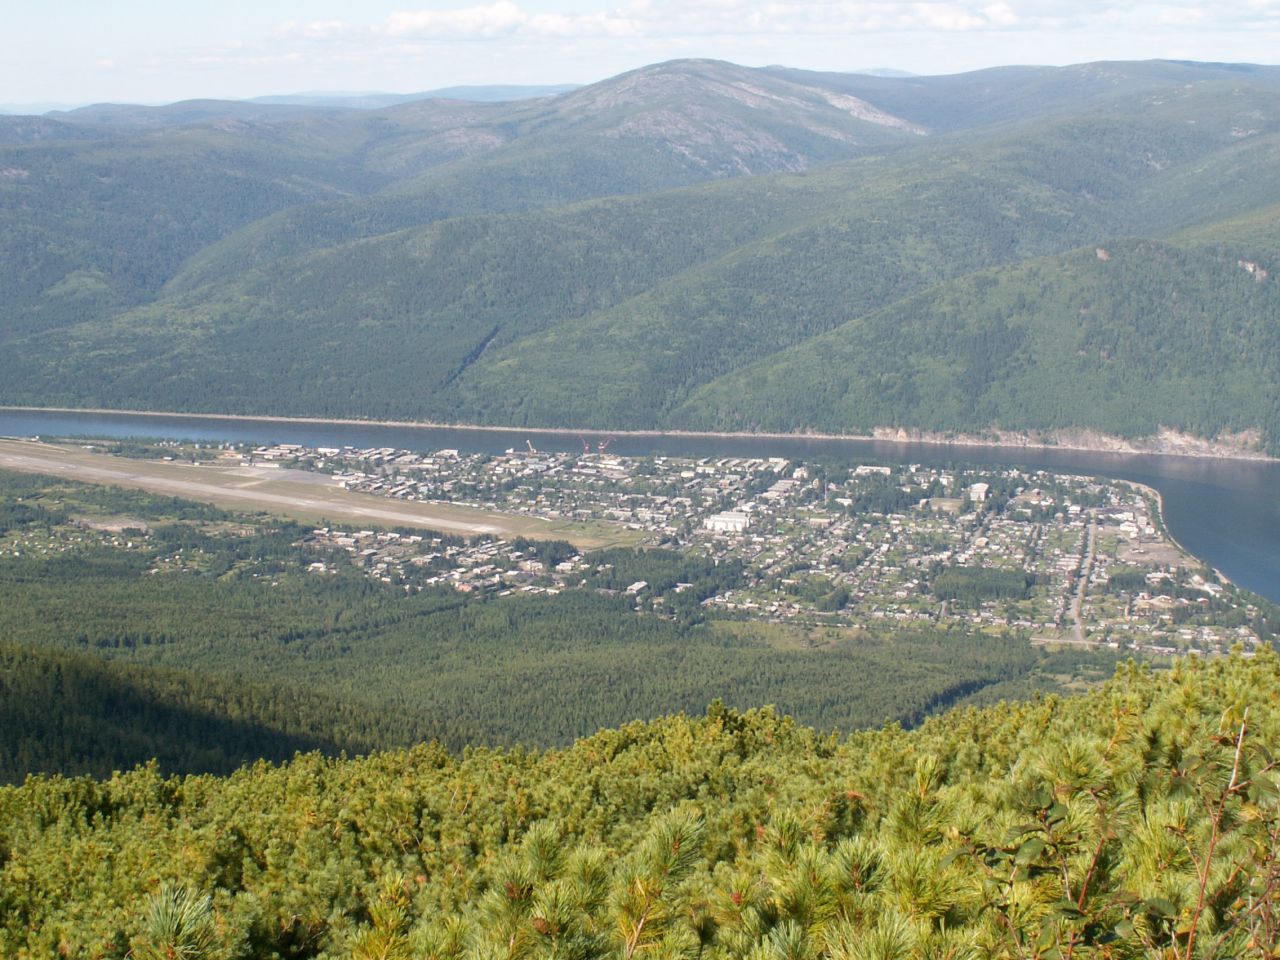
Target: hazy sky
(157,50)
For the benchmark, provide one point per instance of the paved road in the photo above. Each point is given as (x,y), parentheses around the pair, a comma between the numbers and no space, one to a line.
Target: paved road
(234,490)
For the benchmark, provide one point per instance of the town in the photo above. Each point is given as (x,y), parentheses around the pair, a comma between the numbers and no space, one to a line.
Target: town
(1056,559)
(1062,559)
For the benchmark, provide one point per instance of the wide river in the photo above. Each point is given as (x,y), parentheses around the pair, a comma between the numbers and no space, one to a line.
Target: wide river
(1226,512)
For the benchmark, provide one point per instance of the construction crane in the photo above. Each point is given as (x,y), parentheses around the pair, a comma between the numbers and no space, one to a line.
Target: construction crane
(586,447)
(604,444)
(532,449)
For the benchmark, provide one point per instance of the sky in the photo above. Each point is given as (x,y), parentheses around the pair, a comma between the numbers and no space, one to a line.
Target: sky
(84,51)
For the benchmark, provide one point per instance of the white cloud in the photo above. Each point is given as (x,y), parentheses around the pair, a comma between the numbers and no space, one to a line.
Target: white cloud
(1001,14)
(324,29)
(504,18)
(530,19)
(495,19)
(417,44)
(949,16)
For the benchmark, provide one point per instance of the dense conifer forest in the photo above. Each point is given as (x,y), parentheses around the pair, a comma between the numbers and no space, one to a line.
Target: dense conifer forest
(1139,820)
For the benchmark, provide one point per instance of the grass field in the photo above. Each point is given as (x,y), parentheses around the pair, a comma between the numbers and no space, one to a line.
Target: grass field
(292,494)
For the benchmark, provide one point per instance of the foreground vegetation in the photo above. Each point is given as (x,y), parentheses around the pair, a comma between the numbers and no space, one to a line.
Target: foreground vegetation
(1140,820)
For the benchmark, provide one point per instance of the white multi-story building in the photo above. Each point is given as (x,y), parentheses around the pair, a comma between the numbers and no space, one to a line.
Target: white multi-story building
(731,521)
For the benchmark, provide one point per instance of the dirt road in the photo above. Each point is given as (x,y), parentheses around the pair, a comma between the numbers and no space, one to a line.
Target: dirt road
(1082,585)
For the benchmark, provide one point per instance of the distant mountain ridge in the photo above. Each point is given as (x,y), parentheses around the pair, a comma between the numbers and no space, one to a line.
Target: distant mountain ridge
(690,244)
(367,100)
(374,100)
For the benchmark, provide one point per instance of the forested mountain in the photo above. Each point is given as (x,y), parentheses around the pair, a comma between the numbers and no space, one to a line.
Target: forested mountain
(692,244)
(1012,95)
(1139,821)
(1112,337)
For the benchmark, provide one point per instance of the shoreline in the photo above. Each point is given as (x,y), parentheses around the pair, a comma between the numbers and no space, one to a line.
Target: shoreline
(1167,533)
(1118,447)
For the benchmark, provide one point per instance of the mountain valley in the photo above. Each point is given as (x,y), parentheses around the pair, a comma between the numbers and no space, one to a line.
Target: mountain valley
(692,245)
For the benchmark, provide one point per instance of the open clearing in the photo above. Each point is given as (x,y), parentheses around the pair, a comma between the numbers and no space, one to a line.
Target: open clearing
(304,497)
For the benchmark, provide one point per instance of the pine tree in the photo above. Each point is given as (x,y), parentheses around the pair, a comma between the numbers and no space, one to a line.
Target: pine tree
(177,924)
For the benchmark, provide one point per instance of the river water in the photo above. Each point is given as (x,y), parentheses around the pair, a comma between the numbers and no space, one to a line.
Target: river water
(1226,512)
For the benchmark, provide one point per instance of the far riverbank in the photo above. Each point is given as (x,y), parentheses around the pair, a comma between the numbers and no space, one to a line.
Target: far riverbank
(1168,443)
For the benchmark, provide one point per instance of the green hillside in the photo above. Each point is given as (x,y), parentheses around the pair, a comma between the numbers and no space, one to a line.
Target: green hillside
(871,253)
(1125,338)
(620,287)
(1138,821)
(684,122)
(164,170)
(661,127)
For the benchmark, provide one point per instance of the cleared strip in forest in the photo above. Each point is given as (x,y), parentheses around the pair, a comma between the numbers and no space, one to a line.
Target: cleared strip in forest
(473,356)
